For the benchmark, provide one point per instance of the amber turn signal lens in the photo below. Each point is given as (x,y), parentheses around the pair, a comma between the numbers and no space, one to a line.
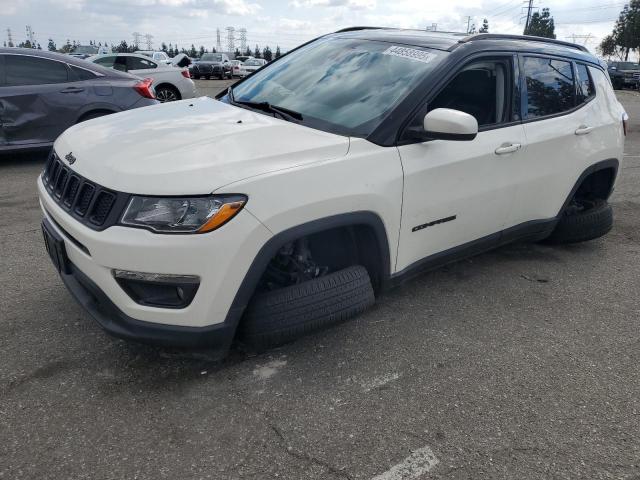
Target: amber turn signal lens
(222,216)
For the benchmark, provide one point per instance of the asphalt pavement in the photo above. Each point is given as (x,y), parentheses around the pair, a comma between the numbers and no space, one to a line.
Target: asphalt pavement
(521,363)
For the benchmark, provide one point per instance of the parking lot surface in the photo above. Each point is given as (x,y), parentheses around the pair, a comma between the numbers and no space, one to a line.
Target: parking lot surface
(521,363)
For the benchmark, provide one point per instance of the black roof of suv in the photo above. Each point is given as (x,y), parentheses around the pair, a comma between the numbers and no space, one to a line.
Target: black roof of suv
(454,42)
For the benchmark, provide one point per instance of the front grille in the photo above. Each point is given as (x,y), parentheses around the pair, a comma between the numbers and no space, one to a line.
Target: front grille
(88,202)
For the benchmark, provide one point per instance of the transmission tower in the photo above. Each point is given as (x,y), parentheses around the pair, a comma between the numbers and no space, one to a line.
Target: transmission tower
(585,38)
(30,36)
(149,40)
(9,38)
(243,39)
(136,39)
(218,43)
(231,46)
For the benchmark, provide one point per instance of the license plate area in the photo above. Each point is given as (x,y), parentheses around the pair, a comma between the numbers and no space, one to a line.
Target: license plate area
(54,245)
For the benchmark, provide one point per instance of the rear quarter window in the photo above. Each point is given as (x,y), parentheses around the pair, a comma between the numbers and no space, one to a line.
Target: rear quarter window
(550,86)
(586,90)
(82,74)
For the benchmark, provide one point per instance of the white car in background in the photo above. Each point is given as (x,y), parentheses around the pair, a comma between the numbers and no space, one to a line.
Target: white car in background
(160,57)
(251,65)
(236,67)
(171,83)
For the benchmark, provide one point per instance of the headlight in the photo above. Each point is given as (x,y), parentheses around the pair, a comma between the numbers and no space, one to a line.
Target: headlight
(182,215)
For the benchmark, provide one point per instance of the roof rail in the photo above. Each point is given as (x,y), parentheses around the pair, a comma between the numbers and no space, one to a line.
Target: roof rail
(529,38)
(355,29)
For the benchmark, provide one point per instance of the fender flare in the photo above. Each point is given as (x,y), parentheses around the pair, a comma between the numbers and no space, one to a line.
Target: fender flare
(271,247)
(602,165)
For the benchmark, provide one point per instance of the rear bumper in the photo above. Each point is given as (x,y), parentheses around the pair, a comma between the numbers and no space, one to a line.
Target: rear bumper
(216,338)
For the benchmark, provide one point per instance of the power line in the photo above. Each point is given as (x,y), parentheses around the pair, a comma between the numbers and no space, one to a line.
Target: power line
(529,9)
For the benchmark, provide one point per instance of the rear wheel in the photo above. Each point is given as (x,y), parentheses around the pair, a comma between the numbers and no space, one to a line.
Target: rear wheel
(167,93)
(583,220)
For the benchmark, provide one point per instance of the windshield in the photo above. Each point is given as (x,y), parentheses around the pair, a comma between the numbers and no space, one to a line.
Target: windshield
(252,62)
(346,86)
(210,57)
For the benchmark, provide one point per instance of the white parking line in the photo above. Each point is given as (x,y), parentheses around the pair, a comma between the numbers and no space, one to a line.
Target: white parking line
(418,463)
(379,381)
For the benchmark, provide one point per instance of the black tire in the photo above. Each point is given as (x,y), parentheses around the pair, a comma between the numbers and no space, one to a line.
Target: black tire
(282,315)
(167,93)
(583,225)
(196,77)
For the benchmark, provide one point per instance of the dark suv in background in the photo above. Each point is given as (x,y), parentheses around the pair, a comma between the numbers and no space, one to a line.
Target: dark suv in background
(624,74)
(212,65)
(42,94)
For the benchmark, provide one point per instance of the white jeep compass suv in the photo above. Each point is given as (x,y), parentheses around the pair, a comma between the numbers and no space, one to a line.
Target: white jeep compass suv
(340,169)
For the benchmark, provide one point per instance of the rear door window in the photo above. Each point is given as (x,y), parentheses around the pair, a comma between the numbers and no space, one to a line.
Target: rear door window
(550,86)
(106,61)
(586,91)
(28,70)
(136,63)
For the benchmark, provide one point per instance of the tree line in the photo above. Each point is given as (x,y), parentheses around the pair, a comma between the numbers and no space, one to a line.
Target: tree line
(171,50)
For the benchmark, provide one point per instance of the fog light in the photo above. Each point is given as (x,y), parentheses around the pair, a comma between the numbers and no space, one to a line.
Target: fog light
(158,289)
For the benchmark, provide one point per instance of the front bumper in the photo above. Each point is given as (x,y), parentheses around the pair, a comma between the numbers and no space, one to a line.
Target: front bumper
(216,338)
(220,258)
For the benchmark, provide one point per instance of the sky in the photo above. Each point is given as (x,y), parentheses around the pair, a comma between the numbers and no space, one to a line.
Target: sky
(286,23)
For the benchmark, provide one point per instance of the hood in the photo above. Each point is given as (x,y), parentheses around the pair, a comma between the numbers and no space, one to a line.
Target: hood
(190,147)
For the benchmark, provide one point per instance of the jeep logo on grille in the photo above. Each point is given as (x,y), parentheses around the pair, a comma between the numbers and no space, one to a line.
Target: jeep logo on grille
(70,158)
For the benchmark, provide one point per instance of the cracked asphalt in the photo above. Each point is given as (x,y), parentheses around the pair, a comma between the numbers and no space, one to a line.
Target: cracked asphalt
(519,363)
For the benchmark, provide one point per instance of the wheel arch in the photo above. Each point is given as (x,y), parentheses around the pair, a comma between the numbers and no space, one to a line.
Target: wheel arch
(361,219)
(599,177)
(90,111)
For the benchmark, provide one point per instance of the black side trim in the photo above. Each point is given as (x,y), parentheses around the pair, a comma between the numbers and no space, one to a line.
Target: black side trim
(216,338)
(528,231)
(609,163)
(269,249)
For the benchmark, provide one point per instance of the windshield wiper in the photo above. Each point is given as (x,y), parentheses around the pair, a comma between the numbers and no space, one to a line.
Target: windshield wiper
(267,107)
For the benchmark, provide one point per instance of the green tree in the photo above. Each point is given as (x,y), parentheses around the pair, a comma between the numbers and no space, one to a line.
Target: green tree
(202,50)
(267,54)
(192,51)
(541,25)
(164,48)
(122,47)
(257,53)
(52,46)
(236,54)
(278,54)
(624,38)
(247,52)
(485,26)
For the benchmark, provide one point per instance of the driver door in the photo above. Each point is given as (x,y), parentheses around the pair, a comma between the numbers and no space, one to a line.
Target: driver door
(458,194)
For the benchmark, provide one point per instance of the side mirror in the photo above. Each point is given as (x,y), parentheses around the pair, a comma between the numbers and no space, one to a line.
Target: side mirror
(447,124)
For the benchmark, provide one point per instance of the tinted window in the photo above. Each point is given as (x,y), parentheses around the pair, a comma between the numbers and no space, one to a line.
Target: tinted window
(550,87)
(106,61)
(480,89)
(342,85)
(82,74)
(136,63)
(25,70)
(585,84)
(211,57)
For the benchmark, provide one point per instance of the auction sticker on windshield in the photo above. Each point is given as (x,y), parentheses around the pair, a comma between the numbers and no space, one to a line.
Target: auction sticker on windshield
(410,53)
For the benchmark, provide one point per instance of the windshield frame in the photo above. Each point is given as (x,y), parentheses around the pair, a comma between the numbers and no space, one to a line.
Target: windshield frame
(378,131)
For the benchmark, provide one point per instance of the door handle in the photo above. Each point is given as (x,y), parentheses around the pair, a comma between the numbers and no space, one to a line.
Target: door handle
(583,130)
(508,148)
(72,90)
